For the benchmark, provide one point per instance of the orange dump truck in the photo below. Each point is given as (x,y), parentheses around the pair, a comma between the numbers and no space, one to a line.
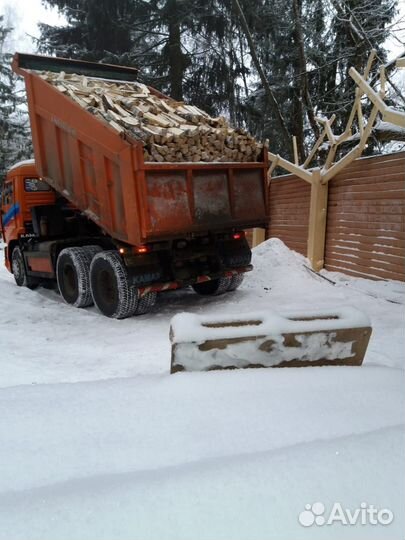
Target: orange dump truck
(110,228)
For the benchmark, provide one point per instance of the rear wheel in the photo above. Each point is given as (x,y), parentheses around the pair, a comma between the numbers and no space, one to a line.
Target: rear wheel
(236,281)
(213,287)
(73,275)
(112,292)
(145,303)
(20,272)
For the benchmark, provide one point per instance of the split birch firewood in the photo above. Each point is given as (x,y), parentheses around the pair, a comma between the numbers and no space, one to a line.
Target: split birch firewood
(169,130)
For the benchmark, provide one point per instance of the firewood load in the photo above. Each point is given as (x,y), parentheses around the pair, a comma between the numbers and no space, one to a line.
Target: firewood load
(169,130)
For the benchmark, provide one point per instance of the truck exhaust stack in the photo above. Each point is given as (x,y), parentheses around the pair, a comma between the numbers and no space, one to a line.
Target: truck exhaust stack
(297,339)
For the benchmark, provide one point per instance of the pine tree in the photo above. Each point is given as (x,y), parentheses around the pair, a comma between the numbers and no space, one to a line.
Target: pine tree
(96,30)
(216,79)
(199,52)
(357,27)
(185,48)
(14,131)
(306,48)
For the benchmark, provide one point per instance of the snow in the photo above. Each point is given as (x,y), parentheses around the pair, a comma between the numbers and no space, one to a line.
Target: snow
(241,355)
(98,441)
(22,163)
(191,327)
(388,126)
(266,351)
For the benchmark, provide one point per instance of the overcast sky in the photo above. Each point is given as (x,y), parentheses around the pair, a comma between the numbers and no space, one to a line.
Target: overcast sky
(25,15)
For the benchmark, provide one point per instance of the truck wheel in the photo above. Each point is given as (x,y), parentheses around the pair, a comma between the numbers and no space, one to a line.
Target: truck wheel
(20,272)
(213,287)
(145,303)
(73,275)
(112,293)
(236,281)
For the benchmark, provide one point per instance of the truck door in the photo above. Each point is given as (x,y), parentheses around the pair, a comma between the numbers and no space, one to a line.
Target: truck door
(10,209)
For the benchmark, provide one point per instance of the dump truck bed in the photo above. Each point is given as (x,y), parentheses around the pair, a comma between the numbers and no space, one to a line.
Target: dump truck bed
(104,174)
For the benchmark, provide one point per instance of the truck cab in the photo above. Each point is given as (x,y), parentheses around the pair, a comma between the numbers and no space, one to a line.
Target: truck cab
(22,193)
(36,223)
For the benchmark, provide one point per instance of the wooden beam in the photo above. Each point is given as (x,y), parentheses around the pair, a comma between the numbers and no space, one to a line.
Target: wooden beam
(317,221)
(344,136)
(382,81)
(315,148)
(295,149)
(355,152)
(360,117)
(394,116)
(348,129)
(327,125)
(370,61)
(271,169)
(291,167)
(401,62)
(389,114)
(357,99)
(259,236)
(341,164)
(368,129)
(330,158)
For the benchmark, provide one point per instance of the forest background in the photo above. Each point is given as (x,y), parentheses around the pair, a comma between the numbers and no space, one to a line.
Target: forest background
(269,66)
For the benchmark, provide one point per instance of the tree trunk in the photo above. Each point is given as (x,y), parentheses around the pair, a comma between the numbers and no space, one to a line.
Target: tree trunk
(285,134)
(176,60)
(302,72)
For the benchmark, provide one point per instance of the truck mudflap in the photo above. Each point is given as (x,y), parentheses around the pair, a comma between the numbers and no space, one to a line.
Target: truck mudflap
(299,339)
(171,285)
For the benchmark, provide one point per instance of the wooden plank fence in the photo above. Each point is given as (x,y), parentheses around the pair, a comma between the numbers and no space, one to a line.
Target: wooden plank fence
(289,211)
(365,234)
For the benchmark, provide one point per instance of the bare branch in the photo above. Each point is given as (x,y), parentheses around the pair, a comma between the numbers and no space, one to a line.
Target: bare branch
(269,93)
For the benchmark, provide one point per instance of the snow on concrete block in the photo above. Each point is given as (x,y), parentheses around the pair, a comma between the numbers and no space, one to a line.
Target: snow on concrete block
(268,339)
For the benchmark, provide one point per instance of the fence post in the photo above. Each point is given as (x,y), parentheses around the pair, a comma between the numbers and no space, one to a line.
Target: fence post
(317,221)
(259,236)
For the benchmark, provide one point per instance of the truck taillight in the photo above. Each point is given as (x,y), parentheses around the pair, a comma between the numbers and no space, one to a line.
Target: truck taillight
(238,235)
(142,249)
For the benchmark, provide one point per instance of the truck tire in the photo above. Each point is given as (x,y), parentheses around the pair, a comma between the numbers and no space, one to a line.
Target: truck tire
(236,281)
(73,275)
(213,287)
(112,293)
(20,272)
(145,303)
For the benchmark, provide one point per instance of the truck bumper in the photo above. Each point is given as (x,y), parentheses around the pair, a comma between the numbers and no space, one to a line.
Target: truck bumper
(171,285)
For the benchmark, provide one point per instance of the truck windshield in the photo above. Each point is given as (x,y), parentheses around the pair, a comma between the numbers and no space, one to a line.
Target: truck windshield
(35,184)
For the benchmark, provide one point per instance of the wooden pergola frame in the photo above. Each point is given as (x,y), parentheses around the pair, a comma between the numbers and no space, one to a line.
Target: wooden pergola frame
(319,177)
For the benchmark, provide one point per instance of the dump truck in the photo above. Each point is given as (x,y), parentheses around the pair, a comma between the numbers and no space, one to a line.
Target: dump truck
(91,213)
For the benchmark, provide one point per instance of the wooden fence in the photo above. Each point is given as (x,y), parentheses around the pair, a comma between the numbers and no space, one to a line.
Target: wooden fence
(365,234)
(289,211)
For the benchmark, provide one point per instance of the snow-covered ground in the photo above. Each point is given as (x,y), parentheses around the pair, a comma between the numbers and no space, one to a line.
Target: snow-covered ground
(98,441)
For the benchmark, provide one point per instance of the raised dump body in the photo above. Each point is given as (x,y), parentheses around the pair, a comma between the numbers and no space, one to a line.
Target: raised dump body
(103,173)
